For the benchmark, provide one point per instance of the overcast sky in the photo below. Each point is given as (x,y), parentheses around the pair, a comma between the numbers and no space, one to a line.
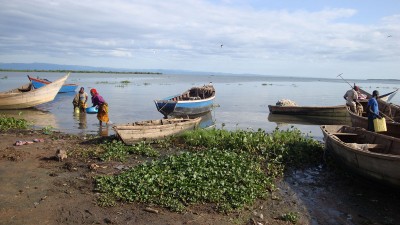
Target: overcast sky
(312,38)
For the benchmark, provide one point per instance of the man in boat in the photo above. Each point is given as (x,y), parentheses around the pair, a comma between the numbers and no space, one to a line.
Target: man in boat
(351,98)
(80,100)
(373,110)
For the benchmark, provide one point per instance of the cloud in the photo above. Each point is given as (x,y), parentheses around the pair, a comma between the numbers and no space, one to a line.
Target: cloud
(180,34)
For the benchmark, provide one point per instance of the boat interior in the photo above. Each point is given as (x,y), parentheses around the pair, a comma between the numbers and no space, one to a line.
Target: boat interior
(196,93)
(360,139)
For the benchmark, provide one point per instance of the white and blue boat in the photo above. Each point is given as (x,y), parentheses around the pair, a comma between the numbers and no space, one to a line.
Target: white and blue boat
(38,83)
(194,101)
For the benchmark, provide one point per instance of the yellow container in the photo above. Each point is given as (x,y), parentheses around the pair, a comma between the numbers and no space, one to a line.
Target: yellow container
(380,125)
(76,109)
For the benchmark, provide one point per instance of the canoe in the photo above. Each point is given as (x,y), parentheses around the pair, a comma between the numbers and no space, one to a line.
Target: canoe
(281,119)
(327,111)
(38,83)
(194,101)
(386,97)
(369,154)
(26,96)
(390,111)
(148,130)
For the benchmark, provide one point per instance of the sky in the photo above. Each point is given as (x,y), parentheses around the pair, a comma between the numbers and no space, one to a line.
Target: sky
(304,38)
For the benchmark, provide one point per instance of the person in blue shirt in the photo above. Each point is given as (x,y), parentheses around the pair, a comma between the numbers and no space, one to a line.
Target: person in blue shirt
(373,110)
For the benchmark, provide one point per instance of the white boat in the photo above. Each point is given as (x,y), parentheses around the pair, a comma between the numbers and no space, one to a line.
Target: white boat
(26,96)
(148,130)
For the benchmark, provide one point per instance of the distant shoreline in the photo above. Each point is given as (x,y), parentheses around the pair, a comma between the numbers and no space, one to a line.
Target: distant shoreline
(77,71)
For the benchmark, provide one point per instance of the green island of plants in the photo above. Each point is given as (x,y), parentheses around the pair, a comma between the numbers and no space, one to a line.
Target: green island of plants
(228,169)
(7,123)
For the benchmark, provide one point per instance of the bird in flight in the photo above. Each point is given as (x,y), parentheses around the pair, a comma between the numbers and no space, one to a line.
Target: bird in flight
(389,36)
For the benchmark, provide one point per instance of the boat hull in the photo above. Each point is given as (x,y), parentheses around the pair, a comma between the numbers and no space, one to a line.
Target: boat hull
(38,83)
(17,99)
(379,159)
(195,101)
(149,130)
(328,111)
(183,108)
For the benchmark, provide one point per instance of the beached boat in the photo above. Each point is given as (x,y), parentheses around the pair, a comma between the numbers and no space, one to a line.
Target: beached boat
(390,111)
(328,111)
(38,83)
(369,154)
(148,130)
(281,119)
(194,101)
(26,96)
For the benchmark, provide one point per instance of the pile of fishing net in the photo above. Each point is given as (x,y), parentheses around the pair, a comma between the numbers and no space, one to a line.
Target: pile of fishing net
(286,102)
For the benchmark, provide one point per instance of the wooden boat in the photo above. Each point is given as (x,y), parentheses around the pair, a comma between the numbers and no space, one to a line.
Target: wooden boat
(194,101)
(148,130)
(386,97)
(369,154)
(327,111)
(38,83)
(390,111)
(26,96)
(281,119)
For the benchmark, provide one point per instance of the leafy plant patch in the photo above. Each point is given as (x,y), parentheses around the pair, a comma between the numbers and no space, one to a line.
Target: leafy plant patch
(117,150)
(7,123)
(228,179)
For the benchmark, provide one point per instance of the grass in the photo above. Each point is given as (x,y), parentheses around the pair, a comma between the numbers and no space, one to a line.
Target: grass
(229,169)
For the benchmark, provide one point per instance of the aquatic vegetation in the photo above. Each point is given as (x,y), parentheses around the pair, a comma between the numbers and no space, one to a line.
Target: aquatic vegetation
(230,169)
(117,150)
(291,217)
(47,130)
(125,82)
(105,82)
(7,123)
(228,179)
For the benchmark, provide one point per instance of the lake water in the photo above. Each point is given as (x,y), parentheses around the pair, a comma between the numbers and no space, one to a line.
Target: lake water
(242,101)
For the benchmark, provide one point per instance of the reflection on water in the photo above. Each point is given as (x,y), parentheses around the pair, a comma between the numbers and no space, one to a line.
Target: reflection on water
(206,121)
(80,118)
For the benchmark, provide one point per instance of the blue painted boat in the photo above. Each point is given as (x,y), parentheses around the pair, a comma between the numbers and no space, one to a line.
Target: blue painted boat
(194,101)
(38,83)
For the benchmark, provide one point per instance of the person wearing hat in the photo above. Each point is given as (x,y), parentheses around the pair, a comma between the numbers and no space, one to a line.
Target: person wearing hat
(373,110)
(80,100)
(351,98)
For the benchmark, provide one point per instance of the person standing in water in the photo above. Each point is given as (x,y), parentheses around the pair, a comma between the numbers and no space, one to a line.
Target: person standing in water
(101,104)
(80,100)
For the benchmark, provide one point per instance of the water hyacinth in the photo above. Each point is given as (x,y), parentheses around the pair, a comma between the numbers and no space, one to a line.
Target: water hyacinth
(230,169)
(229,179)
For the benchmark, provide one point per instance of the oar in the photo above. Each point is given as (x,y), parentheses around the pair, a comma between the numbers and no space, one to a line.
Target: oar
(386,116)
(340,75)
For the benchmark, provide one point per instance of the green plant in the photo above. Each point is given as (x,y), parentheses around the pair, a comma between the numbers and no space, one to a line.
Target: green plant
(7,123)
(117,150)
(47,130)
(291,217)
(228,179)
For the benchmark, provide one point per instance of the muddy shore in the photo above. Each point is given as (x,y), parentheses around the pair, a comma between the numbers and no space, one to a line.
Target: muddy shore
(37,188)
